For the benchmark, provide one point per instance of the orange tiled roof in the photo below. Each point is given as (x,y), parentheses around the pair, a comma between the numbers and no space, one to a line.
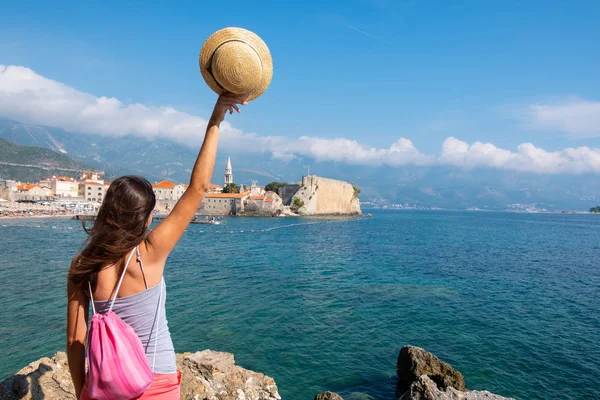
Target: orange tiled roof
(94,183)
(269,200)
(214,186)
(164,185)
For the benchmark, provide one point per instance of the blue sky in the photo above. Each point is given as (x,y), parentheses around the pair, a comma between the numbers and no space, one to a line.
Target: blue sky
(369,71)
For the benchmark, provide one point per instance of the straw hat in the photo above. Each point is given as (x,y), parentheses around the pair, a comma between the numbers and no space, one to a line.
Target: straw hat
(236,60)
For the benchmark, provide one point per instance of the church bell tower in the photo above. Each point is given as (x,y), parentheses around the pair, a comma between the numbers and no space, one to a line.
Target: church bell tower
(228,172)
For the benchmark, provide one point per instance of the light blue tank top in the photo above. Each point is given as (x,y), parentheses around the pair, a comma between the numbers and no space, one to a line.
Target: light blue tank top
(142,311)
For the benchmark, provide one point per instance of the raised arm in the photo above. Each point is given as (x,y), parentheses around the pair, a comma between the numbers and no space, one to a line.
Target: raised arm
(165,236)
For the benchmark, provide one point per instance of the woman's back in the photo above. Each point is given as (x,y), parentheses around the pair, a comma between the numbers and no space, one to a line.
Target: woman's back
(140,303)
(142,311)
(135,280)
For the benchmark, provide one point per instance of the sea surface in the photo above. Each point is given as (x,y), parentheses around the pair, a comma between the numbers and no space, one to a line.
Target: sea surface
(510,300)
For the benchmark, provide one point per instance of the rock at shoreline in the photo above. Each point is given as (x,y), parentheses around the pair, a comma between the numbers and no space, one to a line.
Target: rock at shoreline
(423,376)
(213,375)
(415,361)
(426,389)
(205,375)
(328,396)
(46,378)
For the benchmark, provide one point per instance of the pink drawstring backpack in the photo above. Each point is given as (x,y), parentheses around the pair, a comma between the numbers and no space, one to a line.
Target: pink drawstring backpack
(117,364)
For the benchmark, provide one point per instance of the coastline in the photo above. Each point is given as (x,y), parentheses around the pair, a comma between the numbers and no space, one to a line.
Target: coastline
(406,209)
(304,216)
(50,216)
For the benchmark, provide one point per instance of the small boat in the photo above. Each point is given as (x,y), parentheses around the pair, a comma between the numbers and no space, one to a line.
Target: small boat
(196,220)
(207,222)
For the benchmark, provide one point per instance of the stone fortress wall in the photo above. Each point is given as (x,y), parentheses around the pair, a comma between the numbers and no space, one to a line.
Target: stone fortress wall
(323,196)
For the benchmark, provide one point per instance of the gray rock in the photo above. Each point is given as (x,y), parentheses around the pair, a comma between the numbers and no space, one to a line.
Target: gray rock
(46,378)
(426,389)
(415,361)
(213,375)
(328,396)
(206,375)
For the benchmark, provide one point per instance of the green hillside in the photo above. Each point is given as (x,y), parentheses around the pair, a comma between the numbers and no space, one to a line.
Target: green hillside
(30,163)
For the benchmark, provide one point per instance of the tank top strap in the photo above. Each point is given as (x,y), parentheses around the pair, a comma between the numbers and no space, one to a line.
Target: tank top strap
(92,298)
(139,260)
(121,280)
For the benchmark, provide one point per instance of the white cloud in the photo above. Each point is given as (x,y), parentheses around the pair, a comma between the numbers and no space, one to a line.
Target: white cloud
(29,97)
(285,157)
(527,158)
(577,117)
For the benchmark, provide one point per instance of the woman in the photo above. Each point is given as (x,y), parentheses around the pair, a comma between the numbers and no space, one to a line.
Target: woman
(121,231)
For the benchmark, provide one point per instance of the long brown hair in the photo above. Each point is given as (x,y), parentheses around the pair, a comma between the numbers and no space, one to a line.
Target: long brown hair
(121,224)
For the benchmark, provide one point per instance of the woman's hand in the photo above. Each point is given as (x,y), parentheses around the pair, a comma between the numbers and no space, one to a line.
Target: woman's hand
(226,102)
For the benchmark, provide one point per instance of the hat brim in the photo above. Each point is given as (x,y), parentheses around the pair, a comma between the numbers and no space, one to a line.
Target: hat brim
(229,34)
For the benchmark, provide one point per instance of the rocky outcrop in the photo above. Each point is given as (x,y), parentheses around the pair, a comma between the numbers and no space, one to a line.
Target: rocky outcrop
(426,389)
(286,211)
(46,378)
(328,396)
(415,361)
(423,376)
(205,375)
(213,375)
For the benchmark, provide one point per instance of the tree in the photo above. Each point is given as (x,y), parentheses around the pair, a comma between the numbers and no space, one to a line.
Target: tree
(231,188)
(297,204)
(274,186)
(595,209)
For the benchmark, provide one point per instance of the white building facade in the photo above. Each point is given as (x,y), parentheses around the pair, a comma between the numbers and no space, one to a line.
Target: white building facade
(94,192)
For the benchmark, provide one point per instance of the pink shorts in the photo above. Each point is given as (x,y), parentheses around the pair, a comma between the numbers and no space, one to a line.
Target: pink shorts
(164,386)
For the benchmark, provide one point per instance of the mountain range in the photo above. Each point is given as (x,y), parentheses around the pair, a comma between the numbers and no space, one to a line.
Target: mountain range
(31,163)
(432,186)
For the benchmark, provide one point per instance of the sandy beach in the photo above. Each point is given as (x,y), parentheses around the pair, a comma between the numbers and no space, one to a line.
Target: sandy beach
(13,210)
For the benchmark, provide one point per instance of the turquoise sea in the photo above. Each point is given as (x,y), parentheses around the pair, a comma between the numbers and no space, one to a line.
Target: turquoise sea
(510,300)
